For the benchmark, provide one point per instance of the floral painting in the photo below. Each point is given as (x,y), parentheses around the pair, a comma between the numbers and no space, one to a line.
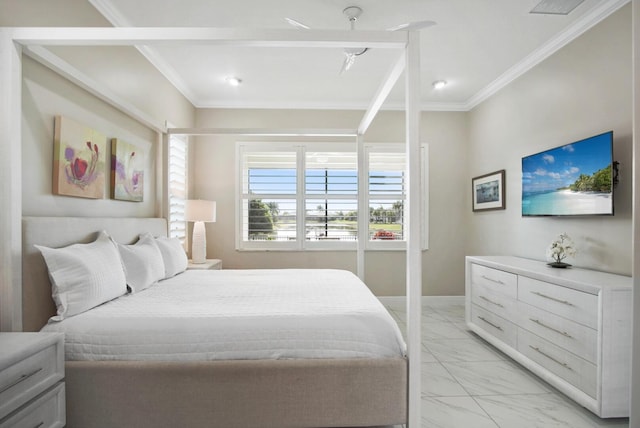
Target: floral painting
(127,171)
(79,160)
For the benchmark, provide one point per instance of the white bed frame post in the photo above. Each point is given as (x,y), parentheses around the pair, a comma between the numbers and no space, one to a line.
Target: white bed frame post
(10,183)
(635,369)
(363,214)
(414,232)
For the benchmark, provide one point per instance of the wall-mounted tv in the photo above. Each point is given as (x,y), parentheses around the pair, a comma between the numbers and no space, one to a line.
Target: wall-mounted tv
(574,179)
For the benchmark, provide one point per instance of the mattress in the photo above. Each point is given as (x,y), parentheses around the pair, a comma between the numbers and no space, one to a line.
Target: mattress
(202,315)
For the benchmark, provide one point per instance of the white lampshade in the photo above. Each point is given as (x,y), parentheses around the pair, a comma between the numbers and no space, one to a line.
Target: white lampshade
(199,211)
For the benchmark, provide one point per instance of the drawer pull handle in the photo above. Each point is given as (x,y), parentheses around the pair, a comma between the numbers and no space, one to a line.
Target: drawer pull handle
(540,323)
(564,302)
(565,365)
(491,301)
(490,323)
(22,378)
(497,281)
(41,424)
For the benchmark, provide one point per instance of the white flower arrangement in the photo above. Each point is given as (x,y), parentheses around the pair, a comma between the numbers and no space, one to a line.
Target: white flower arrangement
(561,248)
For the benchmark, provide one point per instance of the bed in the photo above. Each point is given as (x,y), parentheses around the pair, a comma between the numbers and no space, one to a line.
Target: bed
(286,385)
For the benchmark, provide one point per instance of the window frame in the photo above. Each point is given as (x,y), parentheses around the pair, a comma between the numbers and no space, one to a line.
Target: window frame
(302,244)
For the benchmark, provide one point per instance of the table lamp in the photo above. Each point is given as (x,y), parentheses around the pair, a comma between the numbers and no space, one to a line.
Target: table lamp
(199,212)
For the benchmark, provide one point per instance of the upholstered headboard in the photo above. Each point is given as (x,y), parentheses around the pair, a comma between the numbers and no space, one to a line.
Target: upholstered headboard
(55,232)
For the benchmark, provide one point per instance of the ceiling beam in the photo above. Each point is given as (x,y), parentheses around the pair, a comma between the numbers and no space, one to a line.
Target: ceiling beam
(102,36)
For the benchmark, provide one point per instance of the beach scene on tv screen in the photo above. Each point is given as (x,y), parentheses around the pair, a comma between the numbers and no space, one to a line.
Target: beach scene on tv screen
(574,179)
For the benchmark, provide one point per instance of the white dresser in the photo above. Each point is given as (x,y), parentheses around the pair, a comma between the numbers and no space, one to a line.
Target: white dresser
(31,380)
(571,327)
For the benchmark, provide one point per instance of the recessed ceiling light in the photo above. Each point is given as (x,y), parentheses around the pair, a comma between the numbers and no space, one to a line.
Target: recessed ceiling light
(556,7)
(233,81)
(439,84)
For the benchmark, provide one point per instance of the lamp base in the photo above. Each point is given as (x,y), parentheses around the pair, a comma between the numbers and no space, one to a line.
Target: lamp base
(199,243)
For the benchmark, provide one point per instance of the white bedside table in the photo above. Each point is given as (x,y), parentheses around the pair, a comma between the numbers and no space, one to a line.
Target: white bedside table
(32,380)
(214,264)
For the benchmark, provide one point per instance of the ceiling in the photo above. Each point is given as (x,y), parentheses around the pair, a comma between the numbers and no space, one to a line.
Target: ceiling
(477,46)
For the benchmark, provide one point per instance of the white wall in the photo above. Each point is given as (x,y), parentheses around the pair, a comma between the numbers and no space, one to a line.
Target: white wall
(582,90)
(446,134)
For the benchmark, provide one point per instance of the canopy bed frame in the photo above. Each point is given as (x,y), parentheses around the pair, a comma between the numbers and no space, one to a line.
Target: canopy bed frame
(231,393)
(16,307)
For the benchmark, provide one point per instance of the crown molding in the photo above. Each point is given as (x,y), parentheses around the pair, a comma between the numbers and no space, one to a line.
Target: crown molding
(545,51)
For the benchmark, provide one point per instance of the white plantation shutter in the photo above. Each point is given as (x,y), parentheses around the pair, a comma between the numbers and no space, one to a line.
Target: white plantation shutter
(296,196)
(268,196)
(387,193)
(177,173)
(331,196)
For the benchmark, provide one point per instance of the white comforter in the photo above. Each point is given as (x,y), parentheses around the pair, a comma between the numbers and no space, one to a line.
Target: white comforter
(237,314)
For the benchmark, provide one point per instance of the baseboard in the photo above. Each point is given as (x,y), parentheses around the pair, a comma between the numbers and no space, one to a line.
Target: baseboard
(426,300)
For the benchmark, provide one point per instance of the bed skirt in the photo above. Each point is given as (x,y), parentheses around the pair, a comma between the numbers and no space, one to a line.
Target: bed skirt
(237,393)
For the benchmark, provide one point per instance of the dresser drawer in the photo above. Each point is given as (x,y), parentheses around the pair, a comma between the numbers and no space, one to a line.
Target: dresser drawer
(572,304)
(46,411)
(573,337)
(23,380)
(575,370)
(499,327)
(496,280)
(493,301)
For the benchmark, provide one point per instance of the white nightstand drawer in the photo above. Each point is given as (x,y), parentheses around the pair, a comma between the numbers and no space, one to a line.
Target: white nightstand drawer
(495,325)
(46,411)
(576,338)
(572,304)
(494,279)
(575,370)
(27,378)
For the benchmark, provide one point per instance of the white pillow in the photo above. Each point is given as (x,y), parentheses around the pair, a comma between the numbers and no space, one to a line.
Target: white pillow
(173,255)
(143,264)
(84,275)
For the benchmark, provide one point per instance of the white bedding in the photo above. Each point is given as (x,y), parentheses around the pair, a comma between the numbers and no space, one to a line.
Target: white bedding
(237,314)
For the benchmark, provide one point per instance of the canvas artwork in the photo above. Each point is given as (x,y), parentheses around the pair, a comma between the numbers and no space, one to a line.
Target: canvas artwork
(79,160)
(127,171)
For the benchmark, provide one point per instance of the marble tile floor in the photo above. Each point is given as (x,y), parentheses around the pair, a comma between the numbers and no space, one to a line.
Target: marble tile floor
(468,383)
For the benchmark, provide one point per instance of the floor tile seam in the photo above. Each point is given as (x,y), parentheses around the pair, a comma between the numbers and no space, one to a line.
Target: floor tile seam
(512,394)
(456,379)
(486,412)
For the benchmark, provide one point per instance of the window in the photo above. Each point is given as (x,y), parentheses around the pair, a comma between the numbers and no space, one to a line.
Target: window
(305,196)
(386,168)
(177,187)
(331,196)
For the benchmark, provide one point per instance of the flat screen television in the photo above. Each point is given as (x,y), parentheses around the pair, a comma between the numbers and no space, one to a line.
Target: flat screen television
(570,180)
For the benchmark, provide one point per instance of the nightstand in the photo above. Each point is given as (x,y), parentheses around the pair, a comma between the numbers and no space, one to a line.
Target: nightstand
(213,264)
(31,380)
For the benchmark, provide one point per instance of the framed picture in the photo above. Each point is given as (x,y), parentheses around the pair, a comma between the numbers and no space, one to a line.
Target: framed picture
(78,160)
(127,171)
(488,191)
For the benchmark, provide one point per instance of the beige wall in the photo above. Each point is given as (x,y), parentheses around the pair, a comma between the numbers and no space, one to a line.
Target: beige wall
(121,70)
(582,90)
(44,95)
(446,134)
